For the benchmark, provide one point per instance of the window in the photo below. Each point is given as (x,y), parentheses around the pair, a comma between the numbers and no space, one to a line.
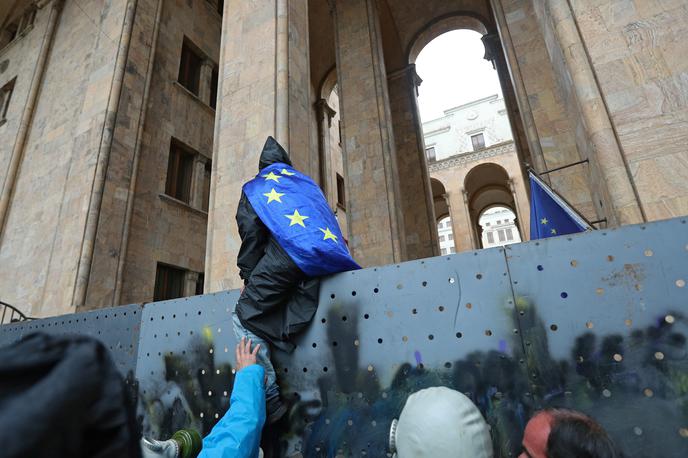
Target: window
(499,221)
(450,237)
(490,237)
(199,284)
(442,238)
(213,88)
(341,191)
(169,283)
(500,235)
(205,203)
(452,250)
(509,234)
(5,96)
(339,129)
(179,172)
(478,141)
(190,68)
(444,251)
(430,154)
(487,223)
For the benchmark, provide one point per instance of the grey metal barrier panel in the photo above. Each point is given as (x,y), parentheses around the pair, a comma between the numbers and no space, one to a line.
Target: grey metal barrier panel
(116,327)
(604,317)
(379,335)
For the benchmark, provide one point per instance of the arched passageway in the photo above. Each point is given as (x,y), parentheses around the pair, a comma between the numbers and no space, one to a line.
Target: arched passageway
(488,188)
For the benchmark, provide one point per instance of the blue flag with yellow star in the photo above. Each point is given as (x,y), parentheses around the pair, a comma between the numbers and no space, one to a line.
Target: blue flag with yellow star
(550,215)
(296,212)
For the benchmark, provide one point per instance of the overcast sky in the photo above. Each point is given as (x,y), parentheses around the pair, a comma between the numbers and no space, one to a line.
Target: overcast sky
(453,72)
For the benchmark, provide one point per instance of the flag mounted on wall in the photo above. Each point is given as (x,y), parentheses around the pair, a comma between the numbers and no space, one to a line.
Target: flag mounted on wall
(550,215)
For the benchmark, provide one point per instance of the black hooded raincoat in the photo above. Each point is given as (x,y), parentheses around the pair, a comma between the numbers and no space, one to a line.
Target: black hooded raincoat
(278,300)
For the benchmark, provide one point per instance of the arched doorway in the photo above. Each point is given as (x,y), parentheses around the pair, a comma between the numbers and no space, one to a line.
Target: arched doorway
(498,227)
(487,187)
(445,230)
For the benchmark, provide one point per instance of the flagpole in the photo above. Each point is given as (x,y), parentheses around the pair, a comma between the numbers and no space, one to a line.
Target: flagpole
(556,195)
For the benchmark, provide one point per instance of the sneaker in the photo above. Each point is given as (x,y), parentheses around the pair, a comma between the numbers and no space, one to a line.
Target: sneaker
(275,409)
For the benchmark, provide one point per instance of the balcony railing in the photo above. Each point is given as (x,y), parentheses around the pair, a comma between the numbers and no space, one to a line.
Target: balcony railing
(11,314)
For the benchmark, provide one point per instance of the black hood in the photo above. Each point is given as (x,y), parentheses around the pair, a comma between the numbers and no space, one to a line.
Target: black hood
(272,153)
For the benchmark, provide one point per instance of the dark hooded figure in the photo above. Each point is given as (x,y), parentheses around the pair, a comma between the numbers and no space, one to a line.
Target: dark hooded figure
(289,237)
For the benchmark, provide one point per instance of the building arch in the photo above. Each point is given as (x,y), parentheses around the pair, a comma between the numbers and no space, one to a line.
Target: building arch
(439,199)
(488,185)
(443,24)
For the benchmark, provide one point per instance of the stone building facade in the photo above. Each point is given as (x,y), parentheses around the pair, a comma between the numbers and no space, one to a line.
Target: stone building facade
(104,100)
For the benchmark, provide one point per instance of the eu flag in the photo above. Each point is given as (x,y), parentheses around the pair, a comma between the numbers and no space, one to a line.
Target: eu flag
(550,215)
(296,212)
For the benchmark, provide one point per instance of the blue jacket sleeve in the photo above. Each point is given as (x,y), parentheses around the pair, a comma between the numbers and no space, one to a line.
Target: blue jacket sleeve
(237,434)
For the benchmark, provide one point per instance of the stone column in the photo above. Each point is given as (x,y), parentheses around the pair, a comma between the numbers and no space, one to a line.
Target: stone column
(190,281)
(469,221)
(197,179)
(264,89)
(324,114)
(519,213)
(205,81)
(420,230)
(608,164)
(373,205)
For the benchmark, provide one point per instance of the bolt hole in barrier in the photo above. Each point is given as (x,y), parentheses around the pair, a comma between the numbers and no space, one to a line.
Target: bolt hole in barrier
(616,339)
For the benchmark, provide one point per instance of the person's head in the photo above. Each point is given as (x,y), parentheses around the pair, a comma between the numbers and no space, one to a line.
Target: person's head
(272,153)
(440,423)
(565,433)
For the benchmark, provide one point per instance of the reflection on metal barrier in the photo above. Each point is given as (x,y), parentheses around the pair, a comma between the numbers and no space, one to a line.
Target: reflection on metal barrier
(596,322)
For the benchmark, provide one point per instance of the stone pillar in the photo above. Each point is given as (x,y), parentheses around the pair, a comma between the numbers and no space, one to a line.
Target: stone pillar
(520,93)
(519,213)
(328,183)
(205,81)
(197,179)
(373,205)
(469,221)
(190,281)
(608,164)
(264,89)
(420,230)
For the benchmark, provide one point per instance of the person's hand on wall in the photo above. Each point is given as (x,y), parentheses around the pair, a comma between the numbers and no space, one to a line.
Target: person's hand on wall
(244,356)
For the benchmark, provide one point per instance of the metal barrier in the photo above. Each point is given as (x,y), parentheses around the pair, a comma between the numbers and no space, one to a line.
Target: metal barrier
(595,322)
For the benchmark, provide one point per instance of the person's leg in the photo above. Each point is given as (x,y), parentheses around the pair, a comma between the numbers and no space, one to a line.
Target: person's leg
(263,357)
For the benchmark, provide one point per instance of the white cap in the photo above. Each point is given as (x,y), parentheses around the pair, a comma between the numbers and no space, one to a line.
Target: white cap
(440,422)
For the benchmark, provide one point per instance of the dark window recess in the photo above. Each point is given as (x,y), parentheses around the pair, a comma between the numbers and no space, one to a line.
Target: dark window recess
(169,283)
(490,237)
(500,235)
(339,133)
(179,172)
(220,6)
(190,68)
(206,186)
(213,88)
(341,191)
(5,96)
(478,141)
(430,154)
(199,284)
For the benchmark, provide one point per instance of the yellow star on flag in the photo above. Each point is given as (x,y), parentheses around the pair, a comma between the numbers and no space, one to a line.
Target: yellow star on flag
(544,221)
(296,218)
(287,172)
(271,176)
(554,231)
(273,195)
(328,234)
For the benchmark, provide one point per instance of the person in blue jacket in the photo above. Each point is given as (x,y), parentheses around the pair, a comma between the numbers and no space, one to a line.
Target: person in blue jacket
(237,434)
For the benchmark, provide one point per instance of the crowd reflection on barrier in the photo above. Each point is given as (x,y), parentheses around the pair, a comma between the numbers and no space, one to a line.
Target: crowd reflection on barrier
(636,385)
